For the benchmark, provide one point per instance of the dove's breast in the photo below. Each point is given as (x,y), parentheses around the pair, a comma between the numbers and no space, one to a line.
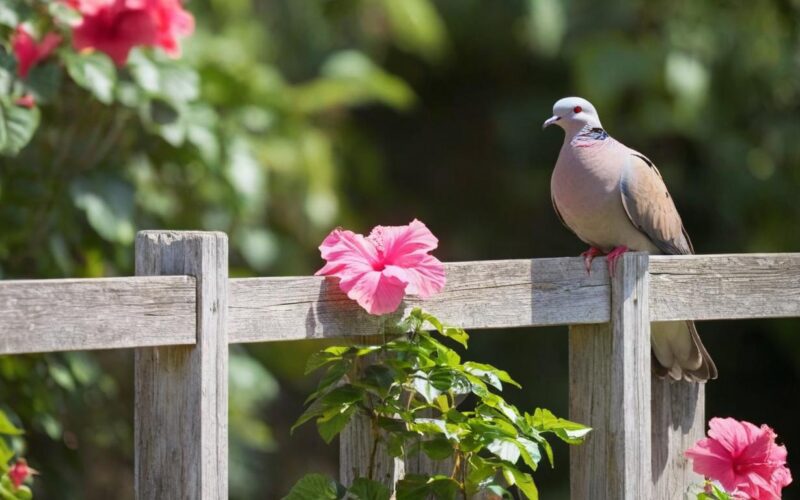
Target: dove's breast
(585,190)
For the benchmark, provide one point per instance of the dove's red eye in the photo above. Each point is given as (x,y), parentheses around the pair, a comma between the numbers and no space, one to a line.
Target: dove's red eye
(577,109)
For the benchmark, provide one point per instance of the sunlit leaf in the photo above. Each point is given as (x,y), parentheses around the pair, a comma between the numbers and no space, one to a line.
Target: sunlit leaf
(93,71)
(316,487)
(367,489)
(17,126)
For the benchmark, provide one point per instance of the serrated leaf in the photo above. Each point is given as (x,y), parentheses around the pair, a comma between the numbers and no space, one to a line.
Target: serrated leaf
(334,374)
(95,72)
(367,489)
(316,487)
(17,126)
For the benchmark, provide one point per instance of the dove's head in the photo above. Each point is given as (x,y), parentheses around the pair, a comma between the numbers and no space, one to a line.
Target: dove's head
(572,114)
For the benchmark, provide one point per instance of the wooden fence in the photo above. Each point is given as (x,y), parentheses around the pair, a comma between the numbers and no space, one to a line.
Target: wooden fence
(181,311)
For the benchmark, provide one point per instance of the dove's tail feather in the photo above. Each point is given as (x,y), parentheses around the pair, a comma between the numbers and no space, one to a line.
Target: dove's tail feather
(679,353)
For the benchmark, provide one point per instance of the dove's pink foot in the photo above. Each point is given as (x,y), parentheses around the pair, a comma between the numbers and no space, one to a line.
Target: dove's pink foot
(613,256)
(588,257)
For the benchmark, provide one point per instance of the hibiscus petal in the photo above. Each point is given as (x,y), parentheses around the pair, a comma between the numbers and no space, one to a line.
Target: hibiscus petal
(711,459)
(730,433)
(401,242)
(377,292)
(425,278)
(343,249)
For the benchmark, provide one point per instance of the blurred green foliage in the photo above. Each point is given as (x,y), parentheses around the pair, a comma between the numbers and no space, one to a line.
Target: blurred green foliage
(287,117)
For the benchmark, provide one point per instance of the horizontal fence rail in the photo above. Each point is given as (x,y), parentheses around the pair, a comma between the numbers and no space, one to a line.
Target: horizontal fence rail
(101,313)
(109,313)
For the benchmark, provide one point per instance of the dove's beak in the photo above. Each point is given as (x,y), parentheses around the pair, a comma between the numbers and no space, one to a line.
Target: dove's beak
(550,121)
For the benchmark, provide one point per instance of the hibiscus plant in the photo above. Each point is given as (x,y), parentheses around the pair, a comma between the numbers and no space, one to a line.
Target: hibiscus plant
(14,473)
(52,50)
(414,390)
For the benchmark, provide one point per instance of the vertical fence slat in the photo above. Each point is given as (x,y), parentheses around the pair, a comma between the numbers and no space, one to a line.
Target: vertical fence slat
(610,391)
(678,421)
(181,410)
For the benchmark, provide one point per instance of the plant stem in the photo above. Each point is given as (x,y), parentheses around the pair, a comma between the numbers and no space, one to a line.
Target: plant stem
(375,438)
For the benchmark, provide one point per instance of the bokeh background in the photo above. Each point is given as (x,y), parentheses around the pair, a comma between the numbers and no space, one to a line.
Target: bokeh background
(317,113)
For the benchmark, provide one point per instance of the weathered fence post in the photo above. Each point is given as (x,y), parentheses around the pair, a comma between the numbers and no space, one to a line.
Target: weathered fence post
(678,420)
(609,370)
(181,411)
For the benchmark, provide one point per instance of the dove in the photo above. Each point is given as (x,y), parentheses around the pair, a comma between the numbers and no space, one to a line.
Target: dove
(614,199)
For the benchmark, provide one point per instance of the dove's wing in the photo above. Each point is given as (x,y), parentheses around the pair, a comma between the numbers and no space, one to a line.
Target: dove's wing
(650,207)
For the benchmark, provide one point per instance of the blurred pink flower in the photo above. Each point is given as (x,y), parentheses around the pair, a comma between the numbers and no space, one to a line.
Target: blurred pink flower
(28,52)
(117,26)
(19,472)
(744,459)
(26,101)
(377,271)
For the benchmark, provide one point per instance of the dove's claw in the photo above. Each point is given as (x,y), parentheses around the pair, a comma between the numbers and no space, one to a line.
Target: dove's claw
(588,257)
(613,257)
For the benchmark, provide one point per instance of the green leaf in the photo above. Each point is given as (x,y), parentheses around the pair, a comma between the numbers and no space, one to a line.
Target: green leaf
(568,431)
(423,386)
(44,82)
(158,77)
(95,72)
(522,480)
(367,489)
(457,334)
(339,399)
(333,421)
(64,14)
(334,374)
(490,374)
(6,454)
(7,427)
(316,487)
(437,448)
(17,125)
(325,356)
(529,451)
(505,449)
(378,379)
(108,204)
(480,473)
(13,12)
(62,376)
(419,487)
(417,27)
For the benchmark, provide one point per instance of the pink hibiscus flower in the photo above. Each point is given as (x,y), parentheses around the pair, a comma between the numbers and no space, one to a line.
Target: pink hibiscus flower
(744,459)
(377,271)
(117,26)
(28,52)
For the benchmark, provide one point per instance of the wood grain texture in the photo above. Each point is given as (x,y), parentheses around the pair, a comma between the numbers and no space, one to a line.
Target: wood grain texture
(678,421)
(181,410)
(486,294)
(610,391)
(106,313)
(724,286)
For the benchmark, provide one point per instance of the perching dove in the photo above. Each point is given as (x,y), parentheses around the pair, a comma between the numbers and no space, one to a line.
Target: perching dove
(614,199)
